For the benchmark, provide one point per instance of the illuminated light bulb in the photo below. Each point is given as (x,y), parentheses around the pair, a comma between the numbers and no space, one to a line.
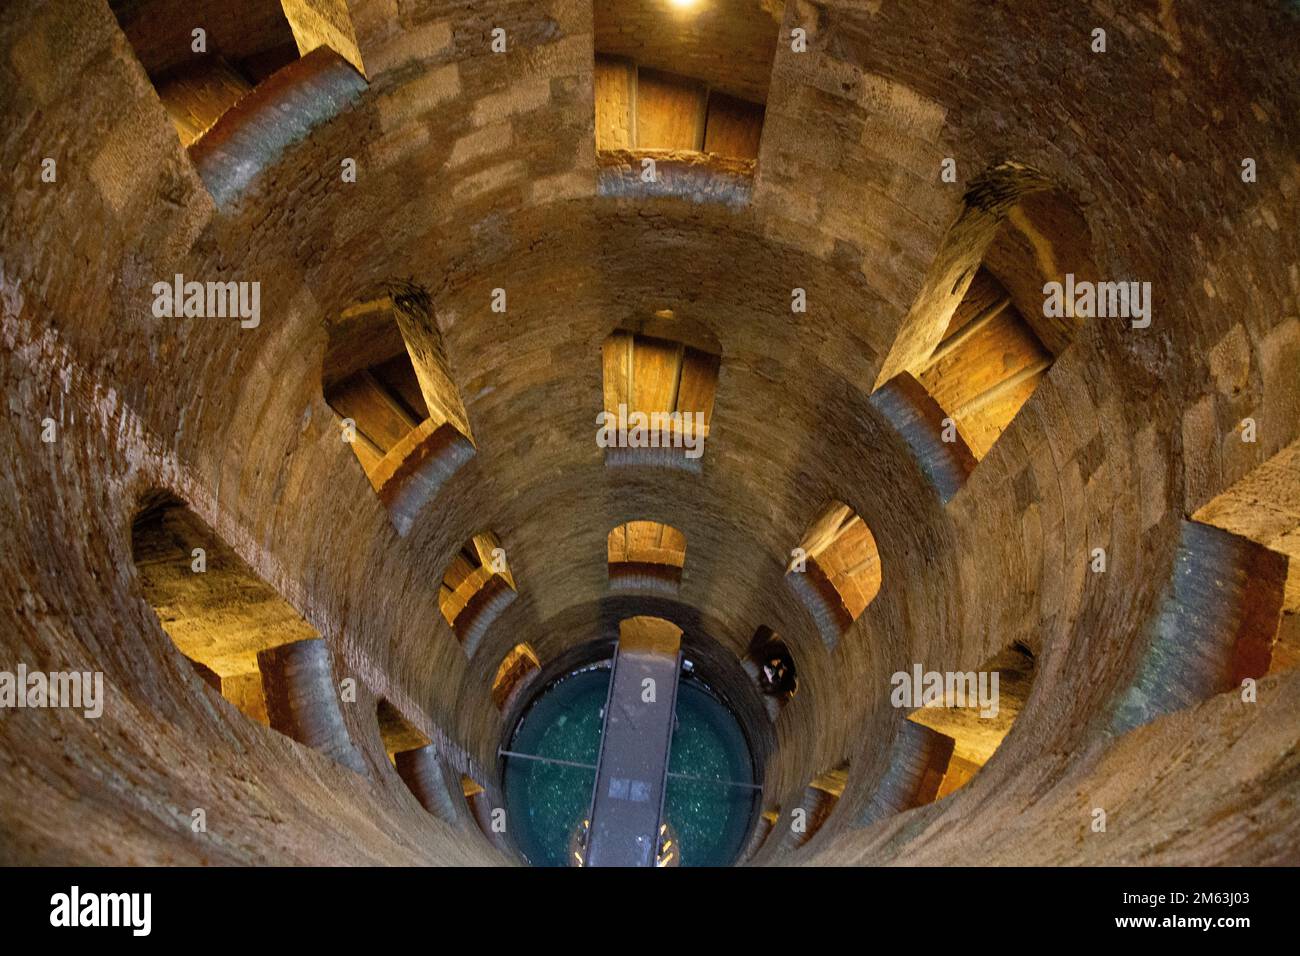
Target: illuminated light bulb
(682,4)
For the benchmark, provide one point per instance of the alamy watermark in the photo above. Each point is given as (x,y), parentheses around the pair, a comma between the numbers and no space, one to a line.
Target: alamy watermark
(180,299)
(1102,300)
(79,690)
(652,430)
(922,688)
(75,908)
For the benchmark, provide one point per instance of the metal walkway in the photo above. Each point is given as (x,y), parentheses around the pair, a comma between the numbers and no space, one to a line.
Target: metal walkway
(632,770)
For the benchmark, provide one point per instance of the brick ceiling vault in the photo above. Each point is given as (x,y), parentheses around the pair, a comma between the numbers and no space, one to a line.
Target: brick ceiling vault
(479,172)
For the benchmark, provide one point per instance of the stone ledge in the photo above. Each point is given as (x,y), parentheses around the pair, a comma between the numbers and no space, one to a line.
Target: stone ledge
(693,176)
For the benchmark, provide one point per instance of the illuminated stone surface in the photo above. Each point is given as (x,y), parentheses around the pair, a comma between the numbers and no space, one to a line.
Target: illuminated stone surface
(479,171)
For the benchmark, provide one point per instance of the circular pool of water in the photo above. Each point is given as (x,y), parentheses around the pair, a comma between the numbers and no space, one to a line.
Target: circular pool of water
(548,800)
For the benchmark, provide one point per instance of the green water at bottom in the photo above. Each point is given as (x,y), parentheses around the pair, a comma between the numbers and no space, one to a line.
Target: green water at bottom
(547,802)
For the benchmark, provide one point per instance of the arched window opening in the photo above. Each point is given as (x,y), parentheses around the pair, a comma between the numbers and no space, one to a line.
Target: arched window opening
(649,110)
(819,800)
(987,364)
(670,78)
(202,67)
(985,329)
(516,671)
(476,587)
(417,762)
(646,556)
(658,395)
(771,665)
(386,376)
(211,604)
(243,639)
(977,727)
(397,733)
(836,570)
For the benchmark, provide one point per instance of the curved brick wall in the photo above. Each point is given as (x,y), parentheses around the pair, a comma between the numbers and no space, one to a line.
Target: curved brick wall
(477,172)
